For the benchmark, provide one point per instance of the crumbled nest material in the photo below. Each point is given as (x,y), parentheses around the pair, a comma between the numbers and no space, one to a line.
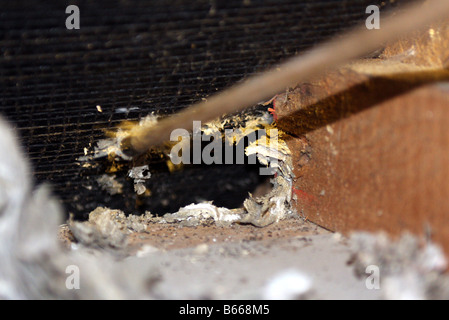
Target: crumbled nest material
(408,268)
(110,184)
(203,213)
(270,149)
(34,265)
(108,228)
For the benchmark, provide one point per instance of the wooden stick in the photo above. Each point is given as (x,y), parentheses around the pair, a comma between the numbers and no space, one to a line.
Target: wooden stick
(354,44)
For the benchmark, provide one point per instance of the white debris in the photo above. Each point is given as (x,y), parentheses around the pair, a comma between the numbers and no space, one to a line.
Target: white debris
(33,263)
(113,146)
(109,183)
(126,110)
(408,269)
(287,285)
(108,228)
(201,249)
(276,205)
(197,213)
(137,173)
(272,151)
(106,147)
(404,287)
(146,250)
(102,230)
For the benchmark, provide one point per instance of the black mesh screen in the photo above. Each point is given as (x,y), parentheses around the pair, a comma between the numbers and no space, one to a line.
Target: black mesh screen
(135,57)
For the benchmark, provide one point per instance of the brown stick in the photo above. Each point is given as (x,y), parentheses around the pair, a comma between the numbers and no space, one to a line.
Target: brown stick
(354,44)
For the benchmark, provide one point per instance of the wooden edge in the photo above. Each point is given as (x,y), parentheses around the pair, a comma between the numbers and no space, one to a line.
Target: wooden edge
(377,151)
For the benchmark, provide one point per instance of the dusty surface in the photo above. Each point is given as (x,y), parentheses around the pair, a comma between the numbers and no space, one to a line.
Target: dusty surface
(168,236)
(246,270)
(198,257)
(243,261)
